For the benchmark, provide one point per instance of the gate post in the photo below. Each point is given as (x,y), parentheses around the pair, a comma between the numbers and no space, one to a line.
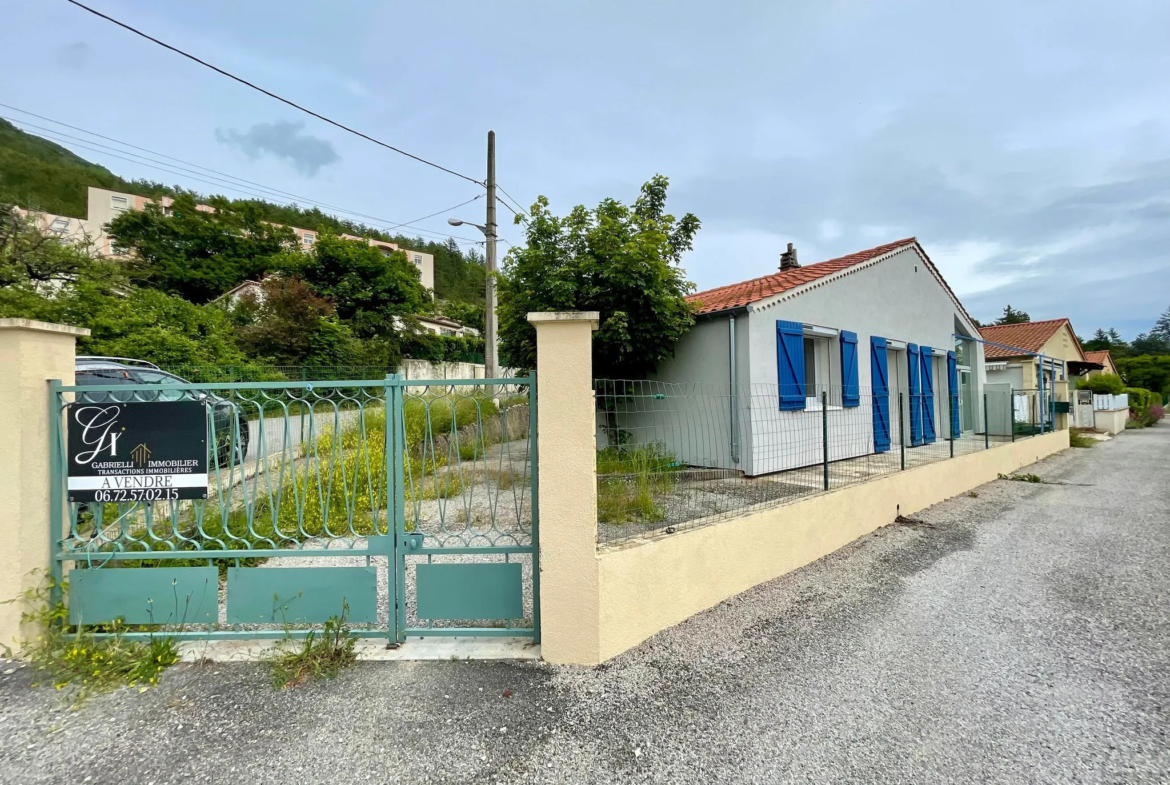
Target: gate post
(31,354)
(570,611)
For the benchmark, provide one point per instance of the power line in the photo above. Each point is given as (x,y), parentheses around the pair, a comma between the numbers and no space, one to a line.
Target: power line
(262,197)
(440,212)
(387,224)
(515,201)
(271,94)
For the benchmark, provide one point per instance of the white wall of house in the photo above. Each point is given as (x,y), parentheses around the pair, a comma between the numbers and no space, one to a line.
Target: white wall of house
(897,298)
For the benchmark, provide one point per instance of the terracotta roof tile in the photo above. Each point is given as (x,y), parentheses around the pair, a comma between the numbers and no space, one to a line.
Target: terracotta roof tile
(1026,336)
(737,295)
(1100,357)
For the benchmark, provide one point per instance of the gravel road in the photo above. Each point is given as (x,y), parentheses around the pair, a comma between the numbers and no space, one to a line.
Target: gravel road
(1019,636)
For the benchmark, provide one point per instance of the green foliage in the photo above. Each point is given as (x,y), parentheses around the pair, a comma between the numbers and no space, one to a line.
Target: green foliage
(365,286)
(468,314)
(1077,438)
(163,329)
(1012,316)
(198,254)
(74,659)
(317,656)
(1032,478)
(291,325)
(1146,371)
(621,261)
(1103,384)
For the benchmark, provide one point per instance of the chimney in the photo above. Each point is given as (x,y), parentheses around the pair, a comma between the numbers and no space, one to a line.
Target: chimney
(788,259)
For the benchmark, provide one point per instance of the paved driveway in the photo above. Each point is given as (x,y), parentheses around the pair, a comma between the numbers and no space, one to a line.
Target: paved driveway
(1020,636)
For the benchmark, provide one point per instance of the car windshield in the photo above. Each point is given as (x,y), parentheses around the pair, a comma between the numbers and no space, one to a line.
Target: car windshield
(91,377)
(161,378)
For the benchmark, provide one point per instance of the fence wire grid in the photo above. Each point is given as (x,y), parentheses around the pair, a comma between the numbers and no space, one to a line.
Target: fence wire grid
(676,456)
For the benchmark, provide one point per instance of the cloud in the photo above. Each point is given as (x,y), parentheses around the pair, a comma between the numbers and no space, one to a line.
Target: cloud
(285,141)
(1052,224)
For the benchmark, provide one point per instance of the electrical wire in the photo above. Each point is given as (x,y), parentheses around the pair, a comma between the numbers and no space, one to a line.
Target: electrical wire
(515,201)
(271,94)
(380,223)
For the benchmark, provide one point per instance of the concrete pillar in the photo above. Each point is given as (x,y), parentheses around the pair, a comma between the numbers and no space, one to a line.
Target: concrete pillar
(31,353)
(566,427)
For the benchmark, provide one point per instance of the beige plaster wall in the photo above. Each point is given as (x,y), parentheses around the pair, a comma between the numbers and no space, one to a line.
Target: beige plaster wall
(31,353)
(567,494)
(649,585)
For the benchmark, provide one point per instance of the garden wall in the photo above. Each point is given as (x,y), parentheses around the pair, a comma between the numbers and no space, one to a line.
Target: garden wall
(646,586)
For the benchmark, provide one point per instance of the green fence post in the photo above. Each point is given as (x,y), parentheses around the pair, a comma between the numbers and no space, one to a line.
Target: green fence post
(398,455)
(1012,412)
(986,425)
(825,435)
(901,430)
(56,490)
(534,489)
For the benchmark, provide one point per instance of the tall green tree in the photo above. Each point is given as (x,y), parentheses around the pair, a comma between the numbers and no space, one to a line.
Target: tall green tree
(1013,316)
(1162,327)
(619,260)
(198,254)
(289,324)
(366,286)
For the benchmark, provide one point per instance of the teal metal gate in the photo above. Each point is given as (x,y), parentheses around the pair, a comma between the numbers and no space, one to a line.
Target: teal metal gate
(409,508)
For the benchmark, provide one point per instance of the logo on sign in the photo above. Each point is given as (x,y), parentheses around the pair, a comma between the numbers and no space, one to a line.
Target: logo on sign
(140,454)
(97,431)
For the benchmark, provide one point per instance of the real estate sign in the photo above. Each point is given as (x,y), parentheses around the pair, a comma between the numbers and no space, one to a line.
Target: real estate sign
(142,451)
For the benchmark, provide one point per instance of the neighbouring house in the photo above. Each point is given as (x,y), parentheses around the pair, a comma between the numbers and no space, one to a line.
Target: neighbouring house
(441,325)
(1102,358)
(1016,353)
(878,336)
(103,206)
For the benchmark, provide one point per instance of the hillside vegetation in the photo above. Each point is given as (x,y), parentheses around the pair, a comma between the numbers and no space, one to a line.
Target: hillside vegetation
(39,174)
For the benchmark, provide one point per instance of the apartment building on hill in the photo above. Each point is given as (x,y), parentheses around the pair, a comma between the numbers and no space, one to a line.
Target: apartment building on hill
(103,206)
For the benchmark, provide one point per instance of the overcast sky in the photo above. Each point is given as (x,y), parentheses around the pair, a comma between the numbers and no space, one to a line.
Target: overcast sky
(1026,145)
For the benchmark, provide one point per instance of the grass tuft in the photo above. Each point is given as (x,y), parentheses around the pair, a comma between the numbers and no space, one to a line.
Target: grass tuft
(317,656)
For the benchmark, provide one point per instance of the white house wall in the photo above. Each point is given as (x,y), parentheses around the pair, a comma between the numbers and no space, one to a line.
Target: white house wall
(693,419)
(897,299)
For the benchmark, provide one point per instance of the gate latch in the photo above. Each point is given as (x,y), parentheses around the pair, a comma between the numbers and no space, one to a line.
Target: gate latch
(414,541)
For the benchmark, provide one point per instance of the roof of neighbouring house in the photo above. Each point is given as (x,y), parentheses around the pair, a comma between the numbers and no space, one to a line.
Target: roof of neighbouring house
(1026,337)
(1101,357)
(738,295)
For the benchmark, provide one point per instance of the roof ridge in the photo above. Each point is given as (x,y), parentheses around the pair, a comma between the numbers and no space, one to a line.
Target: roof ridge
(755,289)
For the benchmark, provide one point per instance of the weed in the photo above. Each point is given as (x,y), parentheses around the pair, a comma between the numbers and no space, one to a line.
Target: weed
(1022,477)
(75,659)
(973,495)
(1078,439)
(317,656)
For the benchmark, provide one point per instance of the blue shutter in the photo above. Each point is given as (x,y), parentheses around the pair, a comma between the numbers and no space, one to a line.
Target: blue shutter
(790,364)
(953,393)
(850,390)
(880,384)
(913,361)
(928,430)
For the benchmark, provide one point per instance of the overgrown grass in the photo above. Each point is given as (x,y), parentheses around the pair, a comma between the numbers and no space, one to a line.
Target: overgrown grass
(316,656)
(1077,438)
(73,659)
(631,483)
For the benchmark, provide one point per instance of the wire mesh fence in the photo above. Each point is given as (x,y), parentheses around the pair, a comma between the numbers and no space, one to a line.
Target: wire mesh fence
(676,456)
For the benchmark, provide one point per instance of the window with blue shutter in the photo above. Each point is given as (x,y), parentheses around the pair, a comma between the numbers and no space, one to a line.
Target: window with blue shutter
(880,384)
(928,430)
(790,364)
(850,390)
(953,393)
(913,365)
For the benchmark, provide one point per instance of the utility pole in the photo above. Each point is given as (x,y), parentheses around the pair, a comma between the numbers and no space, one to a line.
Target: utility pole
(491,367)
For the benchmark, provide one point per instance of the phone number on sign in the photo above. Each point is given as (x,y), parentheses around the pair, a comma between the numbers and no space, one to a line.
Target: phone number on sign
(137,495)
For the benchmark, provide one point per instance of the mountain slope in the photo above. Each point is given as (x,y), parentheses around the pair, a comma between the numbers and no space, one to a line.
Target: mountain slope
(40,174)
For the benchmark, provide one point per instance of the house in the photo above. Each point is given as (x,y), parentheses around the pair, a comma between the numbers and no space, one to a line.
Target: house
(1015,355)
(441,325)
(876,336)
(103,206)
(1102,358)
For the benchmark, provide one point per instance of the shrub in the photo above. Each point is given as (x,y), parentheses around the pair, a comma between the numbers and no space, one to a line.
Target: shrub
(1103,384)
